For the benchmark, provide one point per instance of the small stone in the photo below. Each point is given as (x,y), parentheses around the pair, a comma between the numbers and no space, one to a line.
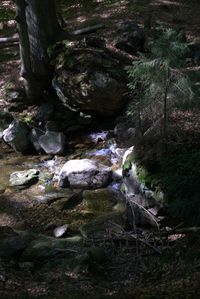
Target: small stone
(60,232)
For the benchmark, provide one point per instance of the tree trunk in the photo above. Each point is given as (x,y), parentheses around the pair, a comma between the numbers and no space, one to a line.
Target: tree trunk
(38,28)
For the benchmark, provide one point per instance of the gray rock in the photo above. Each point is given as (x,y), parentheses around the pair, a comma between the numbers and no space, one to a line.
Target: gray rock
(52,142)
(130,38)
(84,173)
(61,231)
(23,178)
(125,135)
(16,135)
(35,134)
(45,112)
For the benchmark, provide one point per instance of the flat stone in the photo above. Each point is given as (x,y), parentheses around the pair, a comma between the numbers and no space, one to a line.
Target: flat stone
(26,177)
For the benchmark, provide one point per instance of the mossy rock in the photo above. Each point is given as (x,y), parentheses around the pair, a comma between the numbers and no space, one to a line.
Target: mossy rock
(43,248)
(98,227)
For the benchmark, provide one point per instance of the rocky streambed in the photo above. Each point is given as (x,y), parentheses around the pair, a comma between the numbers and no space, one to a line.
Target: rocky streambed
(70,211)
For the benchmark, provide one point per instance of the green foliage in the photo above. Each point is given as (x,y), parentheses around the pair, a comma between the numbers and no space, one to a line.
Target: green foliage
(6,15)
(178,176)
(28,119)
(157,79)
(181,175)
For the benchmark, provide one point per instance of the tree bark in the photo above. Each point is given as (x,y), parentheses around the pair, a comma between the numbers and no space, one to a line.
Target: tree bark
(38,28)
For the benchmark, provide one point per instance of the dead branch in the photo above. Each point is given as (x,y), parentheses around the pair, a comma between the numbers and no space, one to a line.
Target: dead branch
(120,55)
(184,230)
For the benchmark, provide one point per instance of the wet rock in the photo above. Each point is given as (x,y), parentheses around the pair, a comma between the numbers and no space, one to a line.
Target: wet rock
(52,142)
(23,178)
(61,231)
(130,38)
(17,136)
(84,173)
(47,198)
(53,197)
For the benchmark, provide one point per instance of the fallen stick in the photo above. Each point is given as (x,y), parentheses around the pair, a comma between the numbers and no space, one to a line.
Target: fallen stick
(87,30)
(10,39)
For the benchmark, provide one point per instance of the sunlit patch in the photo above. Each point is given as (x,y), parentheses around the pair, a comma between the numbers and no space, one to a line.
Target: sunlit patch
(98,136)
(176,237)
(50,164)
(115,186)
(100,152)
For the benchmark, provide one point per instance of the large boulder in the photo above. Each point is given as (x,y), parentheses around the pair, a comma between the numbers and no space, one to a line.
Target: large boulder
(52,142)
(17,136)
(88,79)
(84,173)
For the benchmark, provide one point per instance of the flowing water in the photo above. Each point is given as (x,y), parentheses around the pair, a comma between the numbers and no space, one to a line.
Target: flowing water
(37,207)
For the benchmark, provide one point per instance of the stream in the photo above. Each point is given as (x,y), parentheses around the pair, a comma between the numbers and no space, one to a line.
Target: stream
(43,206)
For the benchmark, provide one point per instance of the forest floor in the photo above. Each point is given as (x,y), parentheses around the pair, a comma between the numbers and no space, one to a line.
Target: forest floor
(176,272)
